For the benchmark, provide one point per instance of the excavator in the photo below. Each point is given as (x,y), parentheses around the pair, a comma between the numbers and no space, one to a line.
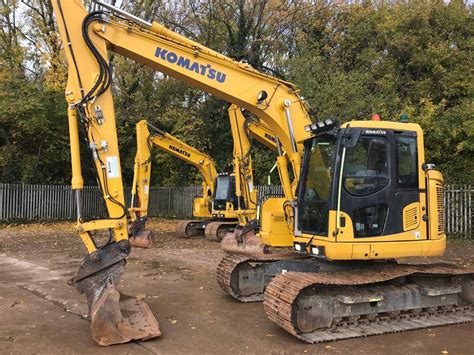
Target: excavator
(141,178)
(224,197)
(327,258)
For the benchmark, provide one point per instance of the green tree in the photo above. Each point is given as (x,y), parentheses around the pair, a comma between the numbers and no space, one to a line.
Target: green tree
(414,57)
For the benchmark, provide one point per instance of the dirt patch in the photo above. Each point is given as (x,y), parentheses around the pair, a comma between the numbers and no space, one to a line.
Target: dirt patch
(41,314)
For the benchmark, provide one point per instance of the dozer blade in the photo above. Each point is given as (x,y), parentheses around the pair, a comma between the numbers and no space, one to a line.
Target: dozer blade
(244,241)
(143,239)
(115,318)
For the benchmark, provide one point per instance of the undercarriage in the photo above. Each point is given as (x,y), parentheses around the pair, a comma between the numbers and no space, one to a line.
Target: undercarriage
(211,229)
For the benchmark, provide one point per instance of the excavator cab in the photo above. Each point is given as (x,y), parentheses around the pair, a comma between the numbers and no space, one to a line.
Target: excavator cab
(364,183)
(225,198)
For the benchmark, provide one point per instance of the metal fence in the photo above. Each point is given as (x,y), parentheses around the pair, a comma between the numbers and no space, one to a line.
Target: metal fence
(458,211)
(56,202)
(52,202)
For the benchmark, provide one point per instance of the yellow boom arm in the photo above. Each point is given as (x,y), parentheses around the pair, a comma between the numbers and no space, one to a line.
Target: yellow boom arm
(175,147)
(88,36)
(241,129)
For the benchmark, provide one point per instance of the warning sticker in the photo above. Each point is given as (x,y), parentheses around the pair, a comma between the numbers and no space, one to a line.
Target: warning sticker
(112,167)
(146,189)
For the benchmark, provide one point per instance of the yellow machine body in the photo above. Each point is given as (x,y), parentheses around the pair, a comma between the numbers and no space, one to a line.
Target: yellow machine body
(274,102)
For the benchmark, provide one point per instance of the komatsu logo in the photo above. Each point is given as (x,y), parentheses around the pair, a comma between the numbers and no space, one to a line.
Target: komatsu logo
(180,151)
(270,137)
(204,70)
(375,131)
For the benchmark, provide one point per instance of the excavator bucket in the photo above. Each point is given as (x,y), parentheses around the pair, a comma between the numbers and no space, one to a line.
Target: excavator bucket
(143,239)
(244,241)
(115,318)
(140,236)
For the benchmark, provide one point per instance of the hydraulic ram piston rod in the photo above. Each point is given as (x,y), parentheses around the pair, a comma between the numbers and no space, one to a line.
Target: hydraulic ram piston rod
(123,13)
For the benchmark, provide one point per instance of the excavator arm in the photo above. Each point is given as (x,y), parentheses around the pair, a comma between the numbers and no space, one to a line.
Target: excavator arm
(243,130)
(242,161)
(273,101)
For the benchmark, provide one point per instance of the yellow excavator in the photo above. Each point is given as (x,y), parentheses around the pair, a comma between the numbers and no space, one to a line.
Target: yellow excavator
(224,196)
(142,172)
(362,195)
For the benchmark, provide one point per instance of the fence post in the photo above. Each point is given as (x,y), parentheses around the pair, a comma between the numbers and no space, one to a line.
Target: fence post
(169,201)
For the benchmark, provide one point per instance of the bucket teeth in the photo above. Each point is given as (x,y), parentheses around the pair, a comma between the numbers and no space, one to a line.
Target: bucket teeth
(118,318)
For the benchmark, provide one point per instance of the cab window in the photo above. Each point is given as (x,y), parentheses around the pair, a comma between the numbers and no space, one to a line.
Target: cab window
(222,187)
(316,181)
(366,166)
(407,162)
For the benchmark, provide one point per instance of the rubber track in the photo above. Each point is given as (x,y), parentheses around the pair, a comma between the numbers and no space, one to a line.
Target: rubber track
(230,262)
(284,289)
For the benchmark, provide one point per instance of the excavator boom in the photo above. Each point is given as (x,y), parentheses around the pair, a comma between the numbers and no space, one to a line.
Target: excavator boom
(115,318)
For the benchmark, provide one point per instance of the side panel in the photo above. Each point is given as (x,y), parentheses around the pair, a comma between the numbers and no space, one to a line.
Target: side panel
(274,229)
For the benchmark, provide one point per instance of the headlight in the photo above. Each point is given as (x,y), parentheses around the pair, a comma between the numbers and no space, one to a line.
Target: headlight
(318,251)
(329,122)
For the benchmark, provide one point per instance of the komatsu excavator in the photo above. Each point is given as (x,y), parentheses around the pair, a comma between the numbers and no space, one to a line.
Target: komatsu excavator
(225,196)
(362,195)
(142,172)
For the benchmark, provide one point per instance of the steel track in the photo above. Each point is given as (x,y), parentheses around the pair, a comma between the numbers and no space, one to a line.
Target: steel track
(285,290)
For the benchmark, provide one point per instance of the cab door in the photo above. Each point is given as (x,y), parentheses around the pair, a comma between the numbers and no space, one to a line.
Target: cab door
(378,184)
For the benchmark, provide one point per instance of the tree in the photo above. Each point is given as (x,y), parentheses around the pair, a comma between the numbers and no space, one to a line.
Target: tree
(412,57)
(348,60)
